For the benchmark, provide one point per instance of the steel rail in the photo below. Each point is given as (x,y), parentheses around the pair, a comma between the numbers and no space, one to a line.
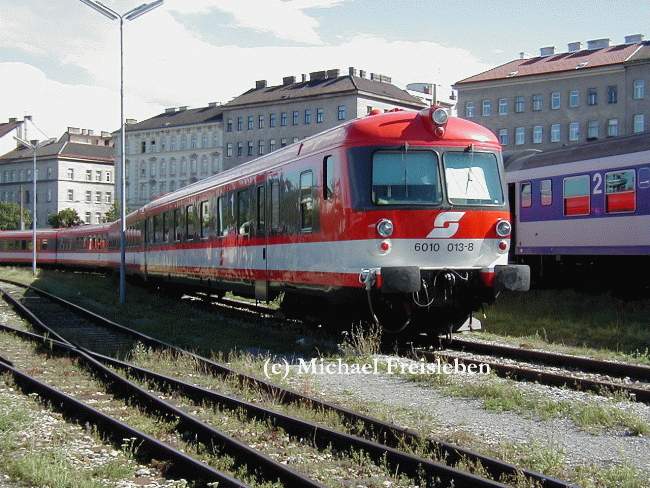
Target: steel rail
(389,434)
(209,436)
(543,377)
(591,365)
(116,430)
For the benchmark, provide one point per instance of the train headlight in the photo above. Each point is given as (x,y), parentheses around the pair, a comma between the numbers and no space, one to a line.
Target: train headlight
(385,228)
(504,228)
(439,116)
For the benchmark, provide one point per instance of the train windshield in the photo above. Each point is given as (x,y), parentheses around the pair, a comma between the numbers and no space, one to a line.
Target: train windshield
(472,178)
(405,178)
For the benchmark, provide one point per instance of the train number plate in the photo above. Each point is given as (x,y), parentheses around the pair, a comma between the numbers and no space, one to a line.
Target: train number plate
(437,247)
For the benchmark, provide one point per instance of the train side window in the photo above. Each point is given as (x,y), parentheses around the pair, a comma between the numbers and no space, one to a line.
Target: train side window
(205,218)
(328,177)
(165,226)
(526,195)
(261,209)
(620,191)
(221,224)
(190,228)
(146,230)
(644,178)
(44,244)
(546,192)
(577,197)
(275,205)
(178,233)
(243,212)
(306,200)
(156,228)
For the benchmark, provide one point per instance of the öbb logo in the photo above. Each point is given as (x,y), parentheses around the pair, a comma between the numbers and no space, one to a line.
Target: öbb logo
(446,225)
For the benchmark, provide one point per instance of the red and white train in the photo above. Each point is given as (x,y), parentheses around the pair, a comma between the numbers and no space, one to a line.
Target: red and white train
(404,211)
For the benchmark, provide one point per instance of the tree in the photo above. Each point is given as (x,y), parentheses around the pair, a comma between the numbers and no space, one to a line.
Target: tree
(113,213)
(10,216)
(68,217)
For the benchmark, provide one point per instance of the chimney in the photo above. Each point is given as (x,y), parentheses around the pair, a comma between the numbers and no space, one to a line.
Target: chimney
(131,121)
(362,73)
(183,108)
(170,110)
(317,75)
(213,104)
(333,73)
(74,130)
(385,79)
(12,120)
(106,134)
(597,44)
(547,51)
(634,38)
(288,80)
(352,71)
(260,84)
(303,77)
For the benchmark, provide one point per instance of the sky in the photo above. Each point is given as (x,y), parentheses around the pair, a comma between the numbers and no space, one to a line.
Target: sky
(59,59)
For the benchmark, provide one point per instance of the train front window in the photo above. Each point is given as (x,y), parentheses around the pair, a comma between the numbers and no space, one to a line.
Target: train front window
(405,178)
(472,178)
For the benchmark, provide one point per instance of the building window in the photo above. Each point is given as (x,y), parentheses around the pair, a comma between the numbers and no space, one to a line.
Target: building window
(183,142)
(486,108)
(272,145)
(503,137)
(320,116)
(272,120)
(172,143)
(143,147)
(574,98)
(638,123)
(555,101)
(240,123)
(538,134)
(204,165)
(538,101)
(260,121)
(260,147)
(520,136)
(229,150)
(250,148)
(250,122)
(341,112)
(98,197)
(574,131)
(87,218)
(555,133)
(612,94)
(229,125)
(294,117)
(89,196)
(620,191)
(503,106)
(576,195)
(240,149)
(109,197)
(307,116)
(108,177)
(183,166)
(592,129)
(469,110)
(49,173)
(204,140)
(639,89)
(546,192)
(612,127)
(284,119)
(294,140)
(283,142)
(519,104)
(152,169)
(89,175)
(163,168)
(525,195)
(172,166)
(98,176)
(49,195)
(592,96)
(70,174)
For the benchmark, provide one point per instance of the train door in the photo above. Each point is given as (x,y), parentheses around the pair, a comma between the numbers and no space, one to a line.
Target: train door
(261,234)
(514,214)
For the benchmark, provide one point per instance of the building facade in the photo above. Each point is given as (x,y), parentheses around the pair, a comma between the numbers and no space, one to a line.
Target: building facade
(169,151)
(266,118)
(74,172)
(561,99)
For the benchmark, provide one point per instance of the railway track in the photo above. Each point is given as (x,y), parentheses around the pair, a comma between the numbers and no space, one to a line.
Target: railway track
(380,440)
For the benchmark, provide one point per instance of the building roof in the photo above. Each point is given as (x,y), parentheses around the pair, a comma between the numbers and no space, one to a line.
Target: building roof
(7,127)
(62,149)
(326,86)
(589,150)
(177,118)
(569,61)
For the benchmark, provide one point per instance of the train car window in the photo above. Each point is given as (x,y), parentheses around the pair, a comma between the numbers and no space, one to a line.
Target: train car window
(190,222)
(221,224)
(405,178)
(275,205)
(525,195)
(306,201)
(205,218)
(157,228)
(243,212)
(44,244)
(328,177)
(177,224)
(546,192)
(620,191)
(644,178)
(576,195)
(165,226)
(261,209)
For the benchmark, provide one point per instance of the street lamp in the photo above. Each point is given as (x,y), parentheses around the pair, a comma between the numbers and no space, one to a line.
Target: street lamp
(130,15)
(34,146)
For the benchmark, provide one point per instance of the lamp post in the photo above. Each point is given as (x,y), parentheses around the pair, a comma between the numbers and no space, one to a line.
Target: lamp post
(130,15)
(34,146)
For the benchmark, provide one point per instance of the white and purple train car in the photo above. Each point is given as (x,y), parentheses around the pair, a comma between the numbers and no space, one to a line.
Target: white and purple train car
(583,205)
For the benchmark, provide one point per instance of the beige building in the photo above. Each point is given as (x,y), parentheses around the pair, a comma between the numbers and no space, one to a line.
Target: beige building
(169,151)
(266,118)
(560,99)
(74,172)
